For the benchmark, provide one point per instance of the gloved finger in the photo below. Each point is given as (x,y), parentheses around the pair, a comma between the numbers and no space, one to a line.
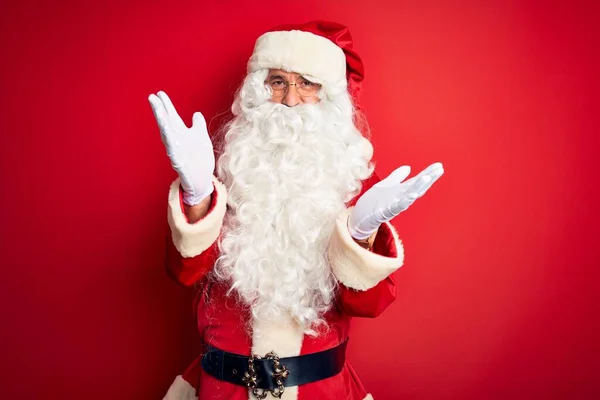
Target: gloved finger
(199,127)
(396,177)
(171,111)
(401,204)
(162,119)
(167,103)
(433,170)
(435,177)
(158,109)
(422,184)
(389,212)
(436,173)
(198,120)
(405,197)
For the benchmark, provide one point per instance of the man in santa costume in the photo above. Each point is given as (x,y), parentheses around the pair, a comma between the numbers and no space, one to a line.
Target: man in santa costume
(290,238)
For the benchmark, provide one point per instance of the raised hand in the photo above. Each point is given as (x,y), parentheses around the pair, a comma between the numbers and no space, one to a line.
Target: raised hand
(190,149)
(390,197)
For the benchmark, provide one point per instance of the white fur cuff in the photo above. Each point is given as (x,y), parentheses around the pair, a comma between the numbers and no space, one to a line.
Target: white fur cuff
(356,267)
(192,239)
(180,390)
(301,52)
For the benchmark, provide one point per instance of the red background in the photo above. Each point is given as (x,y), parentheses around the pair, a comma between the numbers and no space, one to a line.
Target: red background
(498,295)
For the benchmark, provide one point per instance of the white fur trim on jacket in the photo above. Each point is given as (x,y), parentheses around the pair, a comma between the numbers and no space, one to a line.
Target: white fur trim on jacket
(356,267)
(369,397)
(180,390)
(301,52)
(284,337)
(192,239)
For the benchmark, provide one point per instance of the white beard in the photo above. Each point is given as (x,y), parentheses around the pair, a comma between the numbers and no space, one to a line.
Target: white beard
(288,173)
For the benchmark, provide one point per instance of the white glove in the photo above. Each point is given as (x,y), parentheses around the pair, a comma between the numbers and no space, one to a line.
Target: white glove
(190,149)
(388,198)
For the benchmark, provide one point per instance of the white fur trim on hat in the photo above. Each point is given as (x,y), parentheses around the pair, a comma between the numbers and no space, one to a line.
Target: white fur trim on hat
(356,267)
(192,239)
(301,52)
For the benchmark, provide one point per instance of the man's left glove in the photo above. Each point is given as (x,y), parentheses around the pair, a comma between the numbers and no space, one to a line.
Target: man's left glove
(388,198)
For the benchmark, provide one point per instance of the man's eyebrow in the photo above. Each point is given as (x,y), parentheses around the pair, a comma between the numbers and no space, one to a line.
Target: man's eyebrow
(276,77)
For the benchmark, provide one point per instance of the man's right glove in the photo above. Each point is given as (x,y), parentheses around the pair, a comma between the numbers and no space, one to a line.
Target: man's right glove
(190,149)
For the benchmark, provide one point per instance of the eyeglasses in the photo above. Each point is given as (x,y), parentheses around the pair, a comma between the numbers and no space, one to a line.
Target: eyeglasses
(304,87)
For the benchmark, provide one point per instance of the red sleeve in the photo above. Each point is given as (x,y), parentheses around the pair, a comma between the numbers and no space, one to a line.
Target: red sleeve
(192,373)
(188,271)
(369,303)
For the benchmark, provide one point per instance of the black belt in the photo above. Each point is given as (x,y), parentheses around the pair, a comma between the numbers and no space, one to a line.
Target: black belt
(271,373)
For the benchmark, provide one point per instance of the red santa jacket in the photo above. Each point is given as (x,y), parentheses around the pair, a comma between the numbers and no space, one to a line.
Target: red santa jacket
(366,289)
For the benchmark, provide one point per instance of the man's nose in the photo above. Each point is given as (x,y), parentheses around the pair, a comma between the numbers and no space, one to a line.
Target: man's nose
(292,98)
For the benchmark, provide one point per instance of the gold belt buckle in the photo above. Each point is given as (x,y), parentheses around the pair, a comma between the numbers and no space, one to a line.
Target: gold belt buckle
(280,374)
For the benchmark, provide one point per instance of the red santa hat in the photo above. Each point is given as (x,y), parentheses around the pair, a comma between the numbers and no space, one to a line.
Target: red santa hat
(321,49)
